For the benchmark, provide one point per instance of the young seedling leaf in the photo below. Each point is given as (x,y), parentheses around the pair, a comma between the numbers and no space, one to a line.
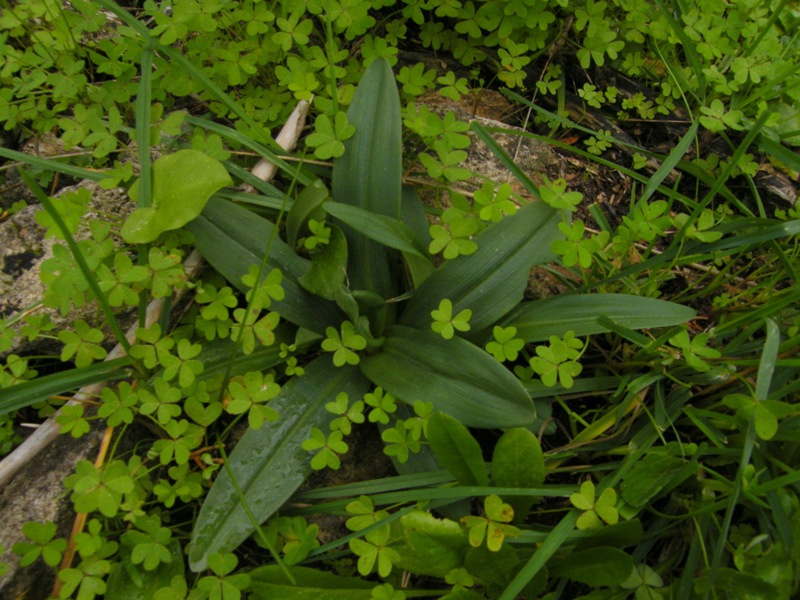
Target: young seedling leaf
(518,461)
(182,184)
(430,546)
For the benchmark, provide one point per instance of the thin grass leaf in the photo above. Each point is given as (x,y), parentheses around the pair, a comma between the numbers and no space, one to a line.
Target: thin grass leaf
(762,230)
(779,151)
(142,107)
(690,53)
(37,390)
(688,167)
(675,156)
(53,165)
(766,366)
(237,137)
(509,163)
(551,544)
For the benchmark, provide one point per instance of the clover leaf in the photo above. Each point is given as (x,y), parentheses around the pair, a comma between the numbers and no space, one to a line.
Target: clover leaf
(445,324)
(343,345)
(328,449)
(493,527)
(328,137)
(597,511)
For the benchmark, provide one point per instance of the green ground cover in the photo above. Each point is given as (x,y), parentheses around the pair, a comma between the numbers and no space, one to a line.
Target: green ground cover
(631,436)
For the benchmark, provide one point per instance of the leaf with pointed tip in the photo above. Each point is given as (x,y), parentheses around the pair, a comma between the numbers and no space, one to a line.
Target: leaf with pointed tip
(382,229)
(269,463)
(539,319)
(456,376)
(369,174)
(491,281)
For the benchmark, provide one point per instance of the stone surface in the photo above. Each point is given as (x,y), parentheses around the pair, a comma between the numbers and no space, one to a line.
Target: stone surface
(37,494)
(23,248)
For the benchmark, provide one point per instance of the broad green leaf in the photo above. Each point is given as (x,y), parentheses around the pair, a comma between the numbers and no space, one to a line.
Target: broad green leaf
(369,174)
(456,450)
(457,377)
(182,184)
(594,567)
(37,390)
(384,230)
(491,281)
(328,267)
(539,319)
(518,462)
(429,546)
(130,581)
(270,583)
(269,464)
(232,238)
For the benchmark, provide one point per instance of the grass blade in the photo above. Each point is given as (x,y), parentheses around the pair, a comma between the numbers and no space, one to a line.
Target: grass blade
(30,392)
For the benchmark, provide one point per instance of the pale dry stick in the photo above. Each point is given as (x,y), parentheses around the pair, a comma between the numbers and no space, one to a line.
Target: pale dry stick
(48,431)
(286,139)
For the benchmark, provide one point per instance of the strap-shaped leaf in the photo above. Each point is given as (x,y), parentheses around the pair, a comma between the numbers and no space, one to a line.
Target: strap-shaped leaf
(456,376)
(269,464)
(380,228)
(233,238)
(539,319)
(369,174)
(491,281)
